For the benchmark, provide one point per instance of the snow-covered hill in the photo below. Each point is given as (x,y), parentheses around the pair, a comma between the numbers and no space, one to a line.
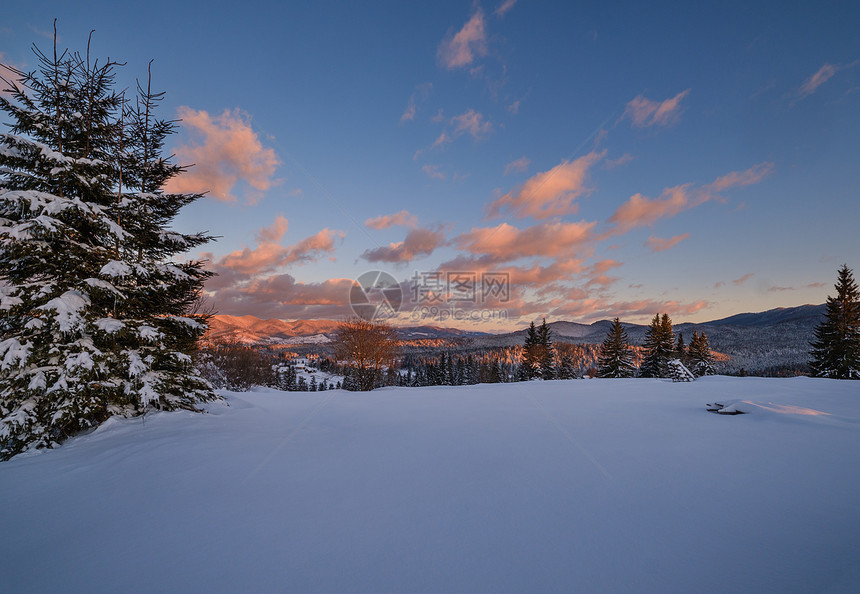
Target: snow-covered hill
(563,486)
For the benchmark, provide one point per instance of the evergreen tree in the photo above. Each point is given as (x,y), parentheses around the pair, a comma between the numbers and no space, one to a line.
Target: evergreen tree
(836,346)
(681,349)
(616,358)
(701,359)
(545,352)
(566,369)
(659,347)
(530,358)
(96,311)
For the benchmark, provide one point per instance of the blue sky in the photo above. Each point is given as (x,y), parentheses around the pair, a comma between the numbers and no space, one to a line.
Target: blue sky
(613,158)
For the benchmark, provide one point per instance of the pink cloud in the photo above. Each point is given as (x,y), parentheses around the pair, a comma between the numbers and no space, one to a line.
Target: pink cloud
(281,296)
(506,242)
(640,210)
(275,232)
(225,151)
(418,242)
(461,49)
(504,7)
(518,165)
(9,75)
(753,175)
(743,279)
(472,122)
(420,94)
(514,108)
(432,171)
(622,160)
(658,244)
(403,218)
(268,255)
(644,112)
(811,84)
(550,193)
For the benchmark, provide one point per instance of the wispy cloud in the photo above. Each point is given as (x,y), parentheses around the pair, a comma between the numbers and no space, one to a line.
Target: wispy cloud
(514,108)
(518,165)
(645,112)
(419,95)
(811,84)
(639,210)
(658,244)
(550,193)
(743,279)
(751,176)
(472,122)
(809,286)
(622,160)
(504,8)
(461,48)
(432,171)
(224,150)
(403,218)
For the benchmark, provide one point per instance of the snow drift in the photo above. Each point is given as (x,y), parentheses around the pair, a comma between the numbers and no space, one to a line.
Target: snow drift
(599,485)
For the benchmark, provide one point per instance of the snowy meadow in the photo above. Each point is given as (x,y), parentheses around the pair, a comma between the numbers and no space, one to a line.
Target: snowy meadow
(559,486)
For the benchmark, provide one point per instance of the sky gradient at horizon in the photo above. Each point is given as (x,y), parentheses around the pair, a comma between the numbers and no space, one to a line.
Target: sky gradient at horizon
(615,158)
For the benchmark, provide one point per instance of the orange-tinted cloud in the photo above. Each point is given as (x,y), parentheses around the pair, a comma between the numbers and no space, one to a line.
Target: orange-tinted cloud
(275,232)
(403,218)
(658,244)
(9,75)
(462,48)
(518,165)
(753,175)
(268,256)
(504,7)
(418,242)
(472,122)
(506,242)
(640,210)
(811,84)
(644,112)
(549,193)
(225,150)
(743,279)
(281,296)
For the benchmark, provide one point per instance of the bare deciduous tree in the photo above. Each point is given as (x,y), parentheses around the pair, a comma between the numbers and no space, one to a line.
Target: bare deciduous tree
(366,348)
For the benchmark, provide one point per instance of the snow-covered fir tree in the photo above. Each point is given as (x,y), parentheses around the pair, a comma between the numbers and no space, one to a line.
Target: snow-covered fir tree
(836,346)
(616,358)
(530,365)
(95,306)
(699,356)
(659,347)
(546,352)
(678,372)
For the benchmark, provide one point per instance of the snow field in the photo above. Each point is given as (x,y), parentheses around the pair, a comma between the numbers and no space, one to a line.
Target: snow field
(560,486)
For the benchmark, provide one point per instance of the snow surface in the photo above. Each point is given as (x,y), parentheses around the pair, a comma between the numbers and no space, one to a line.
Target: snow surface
(559,486)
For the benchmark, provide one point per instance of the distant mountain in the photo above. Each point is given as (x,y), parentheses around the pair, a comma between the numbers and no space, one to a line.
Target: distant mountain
(253,330)
(802,314)
(774,341)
